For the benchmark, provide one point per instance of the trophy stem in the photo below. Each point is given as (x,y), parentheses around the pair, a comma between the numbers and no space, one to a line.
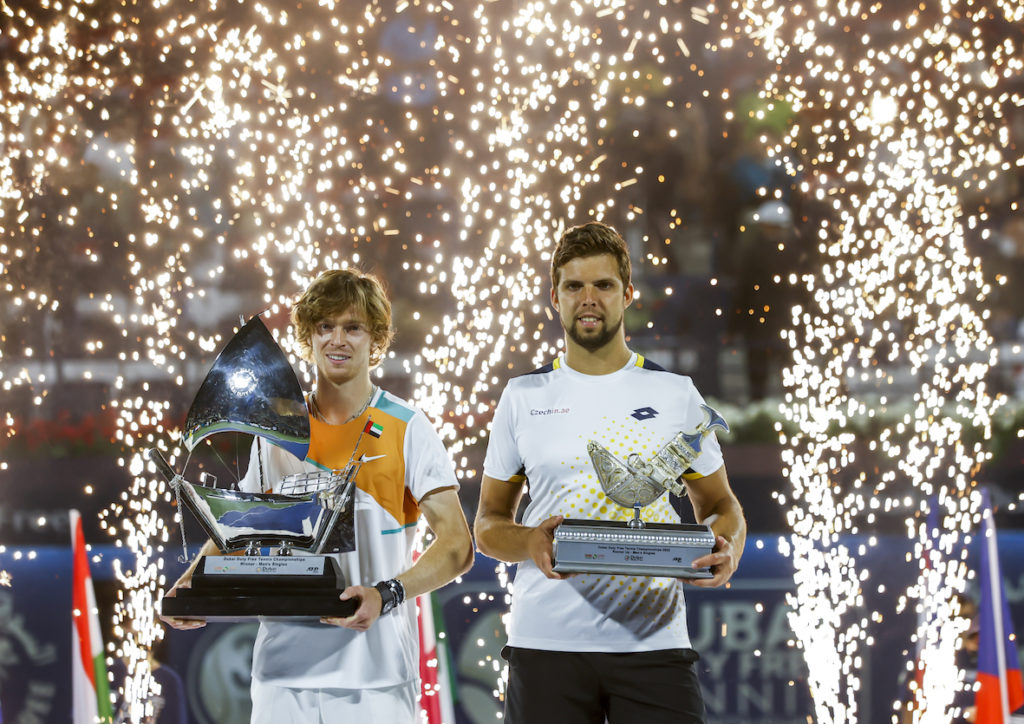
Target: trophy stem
(181,522)
(636,522)
(175,481)
(253,549)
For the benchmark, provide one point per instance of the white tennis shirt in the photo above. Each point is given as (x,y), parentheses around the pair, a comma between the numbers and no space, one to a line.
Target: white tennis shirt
(541,428)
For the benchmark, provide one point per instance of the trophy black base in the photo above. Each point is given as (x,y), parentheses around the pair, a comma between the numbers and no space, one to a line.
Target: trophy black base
(246,588)
(613,547)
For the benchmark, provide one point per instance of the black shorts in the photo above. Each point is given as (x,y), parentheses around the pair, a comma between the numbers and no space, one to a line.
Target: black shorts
(565,687)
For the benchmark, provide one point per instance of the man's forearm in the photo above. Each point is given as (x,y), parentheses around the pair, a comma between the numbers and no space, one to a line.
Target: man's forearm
(716,505)
(451,553)
(503,539)
(730,524)
(441,562)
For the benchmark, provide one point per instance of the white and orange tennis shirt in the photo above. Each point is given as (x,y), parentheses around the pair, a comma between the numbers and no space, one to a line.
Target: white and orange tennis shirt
(403,459)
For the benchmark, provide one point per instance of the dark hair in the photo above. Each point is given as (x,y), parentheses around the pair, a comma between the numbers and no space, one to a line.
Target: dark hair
(590,239)
(335,291)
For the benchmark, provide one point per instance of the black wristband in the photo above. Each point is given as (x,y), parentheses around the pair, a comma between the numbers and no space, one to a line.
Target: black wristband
(392,594)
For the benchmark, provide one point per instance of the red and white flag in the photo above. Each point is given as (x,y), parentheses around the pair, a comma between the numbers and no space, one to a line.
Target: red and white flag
(90,692)
(436,703)
(1000,687)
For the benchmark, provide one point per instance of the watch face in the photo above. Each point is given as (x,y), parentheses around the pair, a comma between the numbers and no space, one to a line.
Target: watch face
(387,597)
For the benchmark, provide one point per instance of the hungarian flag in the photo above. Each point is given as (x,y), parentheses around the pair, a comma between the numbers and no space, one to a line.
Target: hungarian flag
(90,693)
(1000,690)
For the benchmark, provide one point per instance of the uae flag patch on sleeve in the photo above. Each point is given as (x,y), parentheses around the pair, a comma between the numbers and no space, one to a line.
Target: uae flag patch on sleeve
(373,428)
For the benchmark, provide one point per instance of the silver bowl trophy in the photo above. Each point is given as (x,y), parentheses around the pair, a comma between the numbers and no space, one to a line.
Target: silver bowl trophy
(634,547)
(251,388)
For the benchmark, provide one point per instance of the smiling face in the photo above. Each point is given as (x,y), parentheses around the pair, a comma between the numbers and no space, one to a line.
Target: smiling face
(591,300)
(340,347)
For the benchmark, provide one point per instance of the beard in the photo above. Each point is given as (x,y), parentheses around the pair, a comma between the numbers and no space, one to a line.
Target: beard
(594,340)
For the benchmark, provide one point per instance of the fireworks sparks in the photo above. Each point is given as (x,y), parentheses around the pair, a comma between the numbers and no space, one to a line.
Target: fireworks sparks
(5,576)
(175,163)
(554,81)
(237,149)
(901,115)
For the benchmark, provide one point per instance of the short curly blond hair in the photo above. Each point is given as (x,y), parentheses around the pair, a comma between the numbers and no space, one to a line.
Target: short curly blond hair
(332,293)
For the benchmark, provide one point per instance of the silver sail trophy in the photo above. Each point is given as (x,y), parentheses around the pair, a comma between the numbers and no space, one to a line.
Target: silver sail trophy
(635,547)
(251,388)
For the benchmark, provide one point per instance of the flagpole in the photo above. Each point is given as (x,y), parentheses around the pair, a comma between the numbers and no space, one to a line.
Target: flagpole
(997,610)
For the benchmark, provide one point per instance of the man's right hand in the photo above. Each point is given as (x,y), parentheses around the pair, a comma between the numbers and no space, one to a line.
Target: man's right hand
(539,543)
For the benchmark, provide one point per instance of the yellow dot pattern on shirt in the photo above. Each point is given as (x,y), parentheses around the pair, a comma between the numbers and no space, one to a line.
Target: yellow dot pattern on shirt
(641,603)
(581,493)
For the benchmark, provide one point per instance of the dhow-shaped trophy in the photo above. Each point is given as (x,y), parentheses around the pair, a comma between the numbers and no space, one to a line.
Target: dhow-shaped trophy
(251,388)
(635,547)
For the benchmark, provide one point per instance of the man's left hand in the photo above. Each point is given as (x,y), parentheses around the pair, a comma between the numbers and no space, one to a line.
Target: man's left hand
(722,561)
(368,610)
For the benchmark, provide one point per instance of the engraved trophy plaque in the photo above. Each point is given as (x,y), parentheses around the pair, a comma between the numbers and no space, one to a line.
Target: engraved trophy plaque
(251,388)
(635,547)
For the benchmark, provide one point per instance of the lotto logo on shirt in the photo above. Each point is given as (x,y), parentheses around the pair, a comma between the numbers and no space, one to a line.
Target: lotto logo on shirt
(550,411)
(644,413)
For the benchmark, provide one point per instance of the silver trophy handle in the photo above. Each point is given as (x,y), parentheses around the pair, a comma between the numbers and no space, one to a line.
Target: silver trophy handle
(677,456)
(162,466)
